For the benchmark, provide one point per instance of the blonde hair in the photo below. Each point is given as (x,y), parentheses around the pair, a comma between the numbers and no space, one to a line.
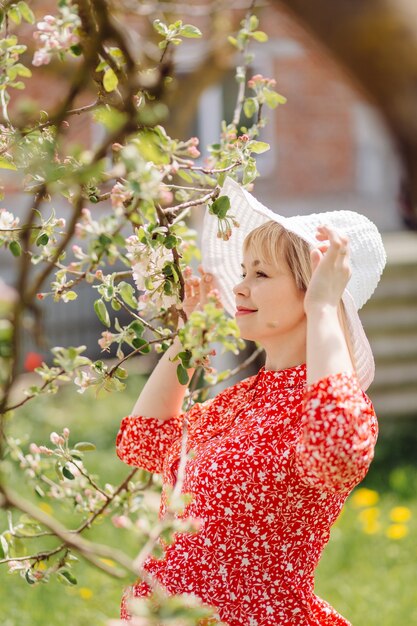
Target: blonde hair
(271,242)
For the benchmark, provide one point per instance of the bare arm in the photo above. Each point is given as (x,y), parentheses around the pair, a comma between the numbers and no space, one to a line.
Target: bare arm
(163,395)
(327,349)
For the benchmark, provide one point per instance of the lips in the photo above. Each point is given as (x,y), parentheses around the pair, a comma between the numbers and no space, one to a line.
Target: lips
(241,310)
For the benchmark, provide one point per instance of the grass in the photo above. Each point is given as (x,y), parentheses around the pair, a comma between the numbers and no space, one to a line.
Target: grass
(368,570)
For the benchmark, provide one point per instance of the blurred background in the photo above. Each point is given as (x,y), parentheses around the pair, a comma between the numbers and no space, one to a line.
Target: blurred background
(330,149)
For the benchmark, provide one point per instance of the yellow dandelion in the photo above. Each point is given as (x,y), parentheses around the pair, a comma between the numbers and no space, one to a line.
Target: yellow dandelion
(400,514)
(370,515)
(108,562)
(85,593)
(396,531)
(41,565)
(364,497)
(46,508)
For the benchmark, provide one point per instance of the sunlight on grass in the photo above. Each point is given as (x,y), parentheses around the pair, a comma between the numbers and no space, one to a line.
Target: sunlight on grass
(368,570)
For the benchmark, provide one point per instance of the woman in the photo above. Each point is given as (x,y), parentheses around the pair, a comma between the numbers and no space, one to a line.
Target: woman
(276,455)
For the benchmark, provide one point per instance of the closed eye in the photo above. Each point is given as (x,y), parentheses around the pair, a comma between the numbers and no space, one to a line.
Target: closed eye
(258,273)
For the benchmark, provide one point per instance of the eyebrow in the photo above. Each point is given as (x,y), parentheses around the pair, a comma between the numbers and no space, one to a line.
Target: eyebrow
(254,263)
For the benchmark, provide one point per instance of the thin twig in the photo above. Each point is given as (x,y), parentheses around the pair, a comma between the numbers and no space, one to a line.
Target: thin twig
(190,203)
(242,84)
(33,395)
(232,372)
(91,552)
(205,170)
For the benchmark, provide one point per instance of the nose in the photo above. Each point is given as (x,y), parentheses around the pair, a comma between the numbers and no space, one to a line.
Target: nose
(241,288)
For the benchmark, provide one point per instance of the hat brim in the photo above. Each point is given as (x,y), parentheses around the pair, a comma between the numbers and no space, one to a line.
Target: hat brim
(223,259)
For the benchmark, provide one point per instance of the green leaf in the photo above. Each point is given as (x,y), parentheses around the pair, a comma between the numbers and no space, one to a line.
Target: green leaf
(42,240)
(142,344)
(14,14)
(185,358)
(253,22)
(4,547)
(170,242)
(29,578)
(260,36)
(83,446)
(250,107)
(160,27)
(101,312)
(182,374)
(109,117)
(15,248)
(69,296)
(272,99)
(110,80)
(5,164)
(185,176)
(250,172)
(190,31)
(67,577)
(127,293)
(67,473)
(233,41)
(17,85)
(137,328)
(258,146)
(22,70)
(26,12)
(220,207)
(28,530)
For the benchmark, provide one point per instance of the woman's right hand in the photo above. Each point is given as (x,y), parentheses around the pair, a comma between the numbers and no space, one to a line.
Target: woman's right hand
(197,289)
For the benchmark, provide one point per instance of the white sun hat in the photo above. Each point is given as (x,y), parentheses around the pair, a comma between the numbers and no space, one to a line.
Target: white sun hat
(366,253)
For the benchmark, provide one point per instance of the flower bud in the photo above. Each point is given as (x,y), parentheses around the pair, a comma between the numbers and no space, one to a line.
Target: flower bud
(56,439)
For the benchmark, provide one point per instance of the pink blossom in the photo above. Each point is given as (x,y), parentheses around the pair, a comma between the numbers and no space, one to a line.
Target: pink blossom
(34,448)
(66,432)
(45,450)
(119,195)
(193,152)
(41,57)
(166,197)
(56,439)
(121,521)
(7,220)
(106,340)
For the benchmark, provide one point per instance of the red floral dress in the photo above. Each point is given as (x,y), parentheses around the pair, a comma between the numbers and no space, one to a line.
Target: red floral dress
(274,461)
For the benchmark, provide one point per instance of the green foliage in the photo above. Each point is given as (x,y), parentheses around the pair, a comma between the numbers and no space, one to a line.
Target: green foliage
(133,250)
(173,33)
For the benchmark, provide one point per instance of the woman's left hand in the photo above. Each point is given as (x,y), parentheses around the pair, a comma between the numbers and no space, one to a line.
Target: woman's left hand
(330,269)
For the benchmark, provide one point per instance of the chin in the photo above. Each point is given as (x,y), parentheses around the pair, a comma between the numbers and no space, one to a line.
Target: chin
(245,333)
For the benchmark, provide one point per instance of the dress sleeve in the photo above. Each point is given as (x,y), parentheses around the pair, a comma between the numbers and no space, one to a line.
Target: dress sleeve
(338,435)
(144,441)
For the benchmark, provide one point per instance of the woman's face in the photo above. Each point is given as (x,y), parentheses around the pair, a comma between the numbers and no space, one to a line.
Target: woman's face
(268,303)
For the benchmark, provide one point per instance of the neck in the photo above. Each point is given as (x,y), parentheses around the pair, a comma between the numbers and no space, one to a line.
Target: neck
(284,353)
